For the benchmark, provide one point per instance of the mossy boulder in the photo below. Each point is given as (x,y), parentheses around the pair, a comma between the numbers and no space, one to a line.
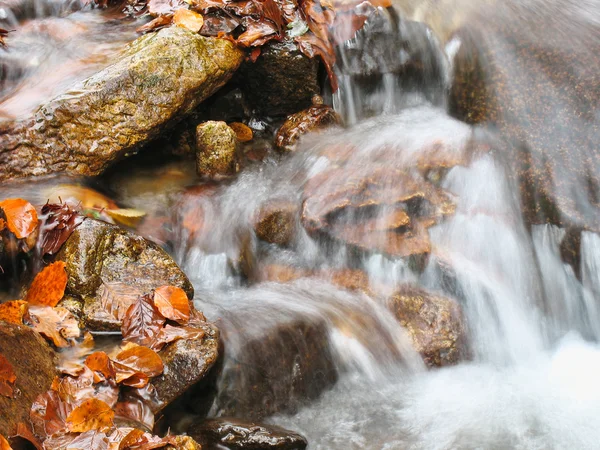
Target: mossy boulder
(216,147)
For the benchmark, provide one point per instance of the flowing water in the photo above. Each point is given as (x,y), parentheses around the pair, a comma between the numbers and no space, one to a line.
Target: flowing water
(532,320)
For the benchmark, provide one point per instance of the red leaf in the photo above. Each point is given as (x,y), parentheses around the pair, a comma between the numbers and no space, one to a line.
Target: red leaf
(59,221)
(49,414)
(24,432)
(21,217)
(48,286)
(7,378)
(142,322)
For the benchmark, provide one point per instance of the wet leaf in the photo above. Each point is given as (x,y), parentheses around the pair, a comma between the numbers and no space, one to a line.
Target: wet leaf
(127,216)
(90,440)
(155,24)
(137,411)
(171,334)
(13,311)
(137,359)
(100,363)
(56,324)
(48,286)
(23,431)
(21,217)
(59,221)
(3,34)
(242,132)
(4,445)
(164,7)
(74,389)
(172,303)
(79,197)
(7,378)
(258,32)
(92,414)
(116,297)
(49,413)
(188,19)
(142,322)
(139,440)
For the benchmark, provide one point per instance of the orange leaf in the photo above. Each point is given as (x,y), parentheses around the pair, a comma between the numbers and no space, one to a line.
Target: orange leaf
(49,285)
(7,378)
(21,217)
(13,311)
(138,359)
(242,132)
(49,413)
(170,334)
(188,19)
(4,445)
(99,362)
(172,303)
(24,432)
(142,321)
(56,324)
(92,414)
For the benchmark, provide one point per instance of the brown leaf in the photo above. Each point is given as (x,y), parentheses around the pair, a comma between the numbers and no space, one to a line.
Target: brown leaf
(90,440)
(49,285)
(92,414)
(56,324)
(258,32)
(24,432)
(136,410)
(138,359)
(172,303)
(59,222)
(139,440)
(49,413)
(74,390)
(117,297)
(142,322)
(13,311)
(155,24)
(242,132)
(81,196)
(7,378)
(170,334)
(21,217)
(4,445)
(101,365)
(190,20)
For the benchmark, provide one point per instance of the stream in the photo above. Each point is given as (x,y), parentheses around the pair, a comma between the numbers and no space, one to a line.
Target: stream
(528,378)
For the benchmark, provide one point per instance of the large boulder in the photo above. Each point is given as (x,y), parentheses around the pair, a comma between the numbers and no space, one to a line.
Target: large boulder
(109,268)
(236,434)
(158,79)
(34,363)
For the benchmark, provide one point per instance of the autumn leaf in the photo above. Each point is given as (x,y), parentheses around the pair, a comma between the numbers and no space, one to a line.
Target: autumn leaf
(242,132)
(155,24)
(59,222)
(100,364)
(116,297)
(136,359)
(49,413)
(90,440)
(188,19)
(146,441)
(92,414)
(171,334)
(13,311)
(135,410)
(172,303)
(4,445)
(126,216)
(7,378)
(57,324)
(142,322)
(48,286)
(24,432)
(21,217)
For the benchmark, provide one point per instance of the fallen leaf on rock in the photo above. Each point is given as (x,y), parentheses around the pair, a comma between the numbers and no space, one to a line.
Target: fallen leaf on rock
(90,440)
(7,378)
(171,334)
(21,217)
(4,445)
(145,441)
(155,24)
(74,389)
(172,303)
(126,216)
(56,324)
(59,221)
(242,132)
(137,411)
(79,196)
(101,365)
(13,311)
(23,431)
(137,359)
(116,297)
(92,414)
(48,286)
(49,413)
(142,322)
(188,19)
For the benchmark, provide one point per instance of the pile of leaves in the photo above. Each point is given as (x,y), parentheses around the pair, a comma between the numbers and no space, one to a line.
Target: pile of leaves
(315,26)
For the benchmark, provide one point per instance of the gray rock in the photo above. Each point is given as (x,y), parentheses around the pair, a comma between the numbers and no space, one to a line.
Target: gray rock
(158,79)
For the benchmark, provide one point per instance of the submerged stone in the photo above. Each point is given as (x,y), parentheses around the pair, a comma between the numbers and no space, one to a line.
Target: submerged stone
(158,79)
(276,222)
(300,123)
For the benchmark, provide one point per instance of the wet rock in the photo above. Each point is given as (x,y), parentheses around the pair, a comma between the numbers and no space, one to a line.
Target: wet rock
(276,222)
(34,363)
(187,362)
(277,371)
(109,267)
(300,123)
(216,148)
(184,443)
(236,434)
(158,79)
(434,323)
(282,81)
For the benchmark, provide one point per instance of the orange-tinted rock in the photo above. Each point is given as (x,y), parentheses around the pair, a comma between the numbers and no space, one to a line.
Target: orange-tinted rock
(276,222)
(300,123)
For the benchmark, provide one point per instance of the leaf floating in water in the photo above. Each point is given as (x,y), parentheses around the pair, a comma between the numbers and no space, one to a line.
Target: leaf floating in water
(126,216)
(56,324)
(7,378)
(13,311)
(188,19)
(92,414)
(48,286)
(21,217)
(142,322)
(60,221)
(172,303)
(101,365)
(136,364)
(242,132)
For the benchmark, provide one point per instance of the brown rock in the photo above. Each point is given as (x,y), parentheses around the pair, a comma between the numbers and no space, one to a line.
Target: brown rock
(158,79)
(216,149)
(276,223)
(236,434)
(34,363)
(109,267)
(300,123)
(434,323)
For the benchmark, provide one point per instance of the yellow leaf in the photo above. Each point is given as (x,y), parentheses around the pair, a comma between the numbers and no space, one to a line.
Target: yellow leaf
(126,216)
